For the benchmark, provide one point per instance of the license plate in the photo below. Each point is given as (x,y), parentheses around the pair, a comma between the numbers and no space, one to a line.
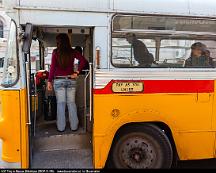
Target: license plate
(127,87)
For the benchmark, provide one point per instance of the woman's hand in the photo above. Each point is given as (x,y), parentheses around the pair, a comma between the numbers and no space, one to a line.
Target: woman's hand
(49,86)
(75,75)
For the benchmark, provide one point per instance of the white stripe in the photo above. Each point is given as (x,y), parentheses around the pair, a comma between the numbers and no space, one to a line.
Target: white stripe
(103,77)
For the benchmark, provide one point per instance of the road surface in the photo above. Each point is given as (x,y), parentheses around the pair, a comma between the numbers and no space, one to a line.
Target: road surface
(200,164)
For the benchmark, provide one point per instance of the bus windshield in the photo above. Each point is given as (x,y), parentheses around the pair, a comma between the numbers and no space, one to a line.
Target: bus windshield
(10,69)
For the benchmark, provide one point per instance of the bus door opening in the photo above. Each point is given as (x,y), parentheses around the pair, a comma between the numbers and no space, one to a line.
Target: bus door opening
(46,138)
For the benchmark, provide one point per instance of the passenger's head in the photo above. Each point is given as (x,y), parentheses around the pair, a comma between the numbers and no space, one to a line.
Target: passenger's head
(64,49)
(79,49)
(198,49)
(130,37)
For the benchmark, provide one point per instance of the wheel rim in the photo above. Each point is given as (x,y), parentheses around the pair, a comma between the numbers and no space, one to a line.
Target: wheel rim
(137,152)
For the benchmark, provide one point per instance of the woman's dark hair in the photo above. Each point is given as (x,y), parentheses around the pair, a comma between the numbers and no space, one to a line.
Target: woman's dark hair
(63,49)
(200,46)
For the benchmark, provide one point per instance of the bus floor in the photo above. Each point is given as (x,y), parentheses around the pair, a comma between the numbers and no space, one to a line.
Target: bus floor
(53,149)
(67,159)
(50,129)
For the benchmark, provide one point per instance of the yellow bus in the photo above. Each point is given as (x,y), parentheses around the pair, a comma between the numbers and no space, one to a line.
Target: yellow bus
(132,114)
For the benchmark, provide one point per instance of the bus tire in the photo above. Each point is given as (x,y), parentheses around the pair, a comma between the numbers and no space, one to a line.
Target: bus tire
(142,147)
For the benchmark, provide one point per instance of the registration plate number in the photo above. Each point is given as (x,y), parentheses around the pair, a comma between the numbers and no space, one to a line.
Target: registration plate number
(127,87)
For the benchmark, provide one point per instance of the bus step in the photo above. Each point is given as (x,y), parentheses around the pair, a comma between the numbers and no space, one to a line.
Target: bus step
(67,159)
(62,142)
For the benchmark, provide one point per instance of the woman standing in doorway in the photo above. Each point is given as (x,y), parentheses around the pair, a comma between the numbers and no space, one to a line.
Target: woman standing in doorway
(64,77)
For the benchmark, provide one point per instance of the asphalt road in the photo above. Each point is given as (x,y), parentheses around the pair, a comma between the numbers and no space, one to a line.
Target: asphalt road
(198,164)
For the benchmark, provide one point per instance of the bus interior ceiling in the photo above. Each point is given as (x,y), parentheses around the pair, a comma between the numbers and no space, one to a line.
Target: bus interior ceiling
(46,139)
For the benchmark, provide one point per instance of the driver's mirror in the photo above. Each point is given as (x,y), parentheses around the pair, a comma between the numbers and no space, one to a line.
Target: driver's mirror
(27,38)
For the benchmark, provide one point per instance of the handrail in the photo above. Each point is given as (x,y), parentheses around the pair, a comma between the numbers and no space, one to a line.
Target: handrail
(28,92)
(85,98)
(90,90)
(35,105)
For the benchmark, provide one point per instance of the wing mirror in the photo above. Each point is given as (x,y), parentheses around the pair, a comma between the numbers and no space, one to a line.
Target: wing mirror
(27,38)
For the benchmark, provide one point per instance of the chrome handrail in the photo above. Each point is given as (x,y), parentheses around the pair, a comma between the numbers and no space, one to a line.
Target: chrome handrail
(28,91)
(90,90)
(85,98)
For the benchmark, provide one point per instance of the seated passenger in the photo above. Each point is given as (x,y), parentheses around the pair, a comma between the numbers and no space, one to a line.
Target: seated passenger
(198,56)
(141,53)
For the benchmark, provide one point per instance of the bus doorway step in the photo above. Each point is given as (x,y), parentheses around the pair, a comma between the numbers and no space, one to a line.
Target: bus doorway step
(62,142)
(70,159)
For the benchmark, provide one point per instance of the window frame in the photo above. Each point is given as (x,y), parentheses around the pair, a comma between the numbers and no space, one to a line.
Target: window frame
(189,36)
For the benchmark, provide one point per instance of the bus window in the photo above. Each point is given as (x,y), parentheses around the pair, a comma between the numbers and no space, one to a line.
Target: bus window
(124,55)
(163,23)
(162,41)
(175,53)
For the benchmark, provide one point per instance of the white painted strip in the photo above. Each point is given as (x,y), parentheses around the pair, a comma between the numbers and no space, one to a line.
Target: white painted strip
(103,77)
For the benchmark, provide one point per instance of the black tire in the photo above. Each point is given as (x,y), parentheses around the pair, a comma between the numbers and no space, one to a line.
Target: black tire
(141,146)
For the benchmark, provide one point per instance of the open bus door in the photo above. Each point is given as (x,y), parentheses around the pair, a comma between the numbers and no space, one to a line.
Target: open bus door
(14,117)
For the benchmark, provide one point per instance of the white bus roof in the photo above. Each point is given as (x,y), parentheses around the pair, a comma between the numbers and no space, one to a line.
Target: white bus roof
(40,11)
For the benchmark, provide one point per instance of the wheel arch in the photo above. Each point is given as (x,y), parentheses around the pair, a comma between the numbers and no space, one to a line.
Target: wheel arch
(161,125)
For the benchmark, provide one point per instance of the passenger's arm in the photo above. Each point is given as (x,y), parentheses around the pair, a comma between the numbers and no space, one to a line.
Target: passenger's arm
(188,63)
(82,61)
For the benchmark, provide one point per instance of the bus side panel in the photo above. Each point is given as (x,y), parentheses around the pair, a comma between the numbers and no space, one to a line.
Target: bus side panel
(10,126)
(188,118)
(195,145)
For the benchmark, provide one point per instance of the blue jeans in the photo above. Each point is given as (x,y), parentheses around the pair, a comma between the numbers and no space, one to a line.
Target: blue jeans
(65,90)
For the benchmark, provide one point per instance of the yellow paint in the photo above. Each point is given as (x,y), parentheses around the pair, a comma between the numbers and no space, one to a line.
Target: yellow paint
(34,102)
(10,126)
(189,116)
(13,127)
